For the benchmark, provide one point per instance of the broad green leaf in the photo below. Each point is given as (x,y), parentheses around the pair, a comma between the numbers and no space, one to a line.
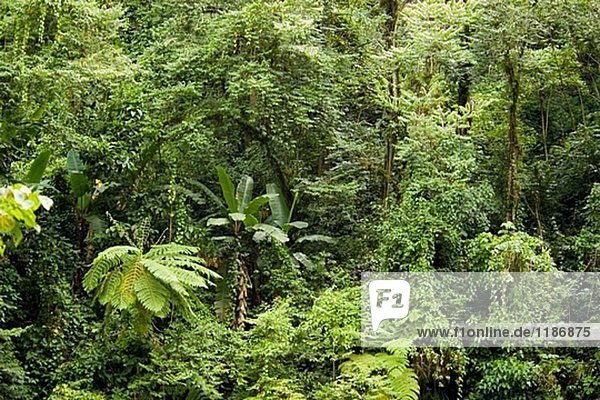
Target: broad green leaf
(237,216)
(80,184)
(74,164)
(256,204)
(217,221)
(303,259)
(264,231)
(317,238)
(36,171)
(227,189)
(250,221)
(295,224)
(243,193)
(279,208)
(84,201)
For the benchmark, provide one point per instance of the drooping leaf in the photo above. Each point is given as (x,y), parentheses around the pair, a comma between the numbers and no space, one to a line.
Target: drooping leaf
(97,224)
(265,231)
(256,204)
(295,224)
(217,222)
(209,193)
(303,259)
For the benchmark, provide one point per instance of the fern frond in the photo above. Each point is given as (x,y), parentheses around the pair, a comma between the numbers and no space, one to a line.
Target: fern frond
(165,274)
(105,261)
(190,278)
(198,269)
(400,380)
(152,294)
(171,249)
(130,276)
(148,284)
(109,286)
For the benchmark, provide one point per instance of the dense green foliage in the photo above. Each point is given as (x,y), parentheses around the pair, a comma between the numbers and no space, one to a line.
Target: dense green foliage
(380,135)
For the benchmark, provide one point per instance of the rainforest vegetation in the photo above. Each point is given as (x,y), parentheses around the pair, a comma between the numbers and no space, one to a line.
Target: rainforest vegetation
(190,189)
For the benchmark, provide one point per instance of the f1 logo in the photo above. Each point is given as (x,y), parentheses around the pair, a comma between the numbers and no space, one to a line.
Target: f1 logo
(389,299)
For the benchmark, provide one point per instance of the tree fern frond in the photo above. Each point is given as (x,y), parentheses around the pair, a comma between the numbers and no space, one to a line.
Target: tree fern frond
(197,269)
(109,286)
(122,300)
(171,249)
(161,271)
(130,277)
(152,294)
(191,278)
(400,380)
(105,261)
(149,284)
(165,274)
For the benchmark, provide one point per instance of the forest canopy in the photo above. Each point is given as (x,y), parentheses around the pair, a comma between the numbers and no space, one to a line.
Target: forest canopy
(189,190)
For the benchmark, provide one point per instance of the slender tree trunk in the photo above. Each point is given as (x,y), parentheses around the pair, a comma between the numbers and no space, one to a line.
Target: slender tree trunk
(514,150)
(241,308)
(544,111)
(392,9)
(464,82)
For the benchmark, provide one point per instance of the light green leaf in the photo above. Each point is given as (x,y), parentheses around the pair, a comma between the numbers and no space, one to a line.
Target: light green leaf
(244,192)
(265,231)
(74,164)
(295,224)
(317,238)
(36,171)
(250,221)
(279,208)
(237,216)
(217,222)
(227,189)
(303,259)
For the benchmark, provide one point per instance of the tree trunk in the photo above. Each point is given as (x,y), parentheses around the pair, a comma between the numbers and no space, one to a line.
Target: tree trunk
(392,9)
(241,308)
(514,149)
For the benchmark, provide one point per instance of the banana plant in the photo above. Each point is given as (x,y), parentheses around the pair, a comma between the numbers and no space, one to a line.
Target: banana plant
(241,214)
(241,211)
(281,217)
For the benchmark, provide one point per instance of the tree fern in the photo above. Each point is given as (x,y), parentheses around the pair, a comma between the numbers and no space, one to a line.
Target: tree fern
(148,284)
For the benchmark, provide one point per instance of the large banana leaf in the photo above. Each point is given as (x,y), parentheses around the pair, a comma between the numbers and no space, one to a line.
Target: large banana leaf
(279,209)
(256,204)
(227,189)
(264,231)
(243,194)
